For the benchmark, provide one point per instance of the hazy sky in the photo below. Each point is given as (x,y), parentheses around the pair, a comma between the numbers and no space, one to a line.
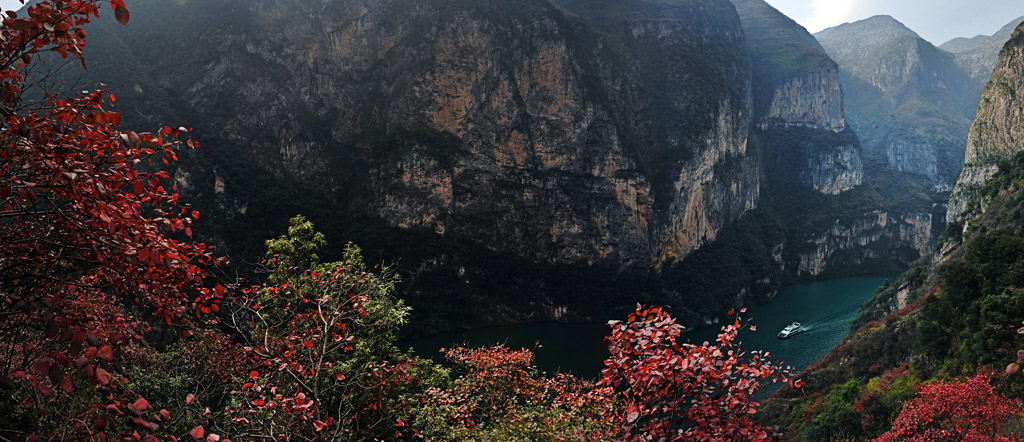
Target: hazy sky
(935,20)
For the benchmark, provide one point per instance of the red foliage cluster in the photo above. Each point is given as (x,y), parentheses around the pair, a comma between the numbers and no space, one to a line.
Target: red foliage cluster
(960,410)
(681,391)
(496,378)
(499,387)
(315,317)
(89,237)
(872,407)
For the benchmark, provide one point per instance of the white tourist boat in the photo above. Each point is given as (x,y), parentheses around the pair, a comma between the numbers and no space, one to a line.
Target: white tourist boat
(790,330)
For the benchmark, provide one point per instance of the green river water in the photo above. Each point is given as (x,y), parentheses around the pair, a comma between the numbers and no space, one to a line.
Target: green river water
(824,308)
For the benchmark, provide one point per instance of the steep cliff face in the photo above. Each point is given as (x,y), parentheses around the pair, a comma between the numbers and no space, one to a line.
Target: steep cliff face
(813,99)
(978,55)
(967,189)
(835,170)
(910,102)
(865,239)
(836,221)
(610,135)
(557,158)
(797,85)
(998,129)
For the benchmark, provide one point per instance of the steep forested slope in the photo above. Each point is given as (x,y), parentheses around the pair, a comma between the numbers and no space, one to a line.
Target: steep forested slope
(955,313)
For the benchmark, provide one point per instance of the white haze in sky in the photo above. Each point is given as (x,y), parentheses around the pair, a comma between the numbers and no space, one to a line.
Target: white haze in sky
(816,15)
(936,20)
(16,5)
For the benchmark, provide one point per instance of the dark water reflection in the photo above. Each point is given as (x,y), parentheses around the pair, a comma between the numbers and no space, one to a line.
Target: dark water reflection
(825,308)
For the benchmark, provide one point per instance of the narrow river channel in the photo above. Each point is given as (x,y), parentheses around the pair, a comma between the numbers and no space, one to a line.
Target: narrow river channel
(824,308)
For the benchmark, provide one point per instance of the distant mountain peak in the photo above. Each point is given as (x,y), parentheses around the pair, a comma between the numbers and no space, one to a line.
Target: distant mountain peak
(860,46)
(893,80)
(963,44)
(1010,27)
(882,18)
(883,25)
(978,54)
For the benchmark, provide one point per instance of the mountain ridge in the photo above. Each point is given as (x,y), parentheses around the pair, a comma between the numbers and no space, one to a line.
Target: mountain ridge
(978,55)
(909,101)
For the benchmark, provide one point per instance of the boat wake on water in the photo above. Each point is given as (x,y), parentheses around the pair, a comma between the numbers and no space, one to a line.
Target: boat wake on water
(839,316)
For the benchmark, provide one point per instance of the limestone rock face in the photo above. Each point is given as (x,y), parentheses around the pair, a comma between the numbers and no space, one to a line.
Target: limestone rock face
(853,243)
(908,155)
(596,133)
(797,85)
(814,99)
(553,148)
(834,170)
(998,129)
(968,184)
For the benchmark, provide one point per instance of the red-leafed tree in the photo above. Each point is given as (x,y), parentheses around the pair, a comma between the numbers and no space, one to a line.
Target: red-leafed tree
(92,241)
(969,411)
(320,343)
(500,397)
(669,390)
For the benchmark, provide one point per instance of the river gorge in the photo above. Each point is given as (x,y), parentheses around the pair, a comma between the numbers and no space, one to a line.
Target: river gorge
(825,309)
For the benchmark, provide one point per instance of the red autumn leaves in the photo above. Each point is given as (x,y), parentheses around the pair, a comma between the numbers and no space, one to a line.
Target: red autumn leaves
(967,410)
(662,381)
(91,234)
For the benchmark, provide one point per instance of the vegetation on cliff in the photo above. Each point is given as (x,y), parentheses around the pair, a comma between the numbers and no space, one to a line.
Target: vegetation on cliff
(899,374)
(955,314)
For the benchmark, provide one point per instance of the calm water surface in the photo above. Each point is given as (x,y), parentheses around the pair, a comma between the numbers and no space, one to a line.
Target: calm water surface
(824,308)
